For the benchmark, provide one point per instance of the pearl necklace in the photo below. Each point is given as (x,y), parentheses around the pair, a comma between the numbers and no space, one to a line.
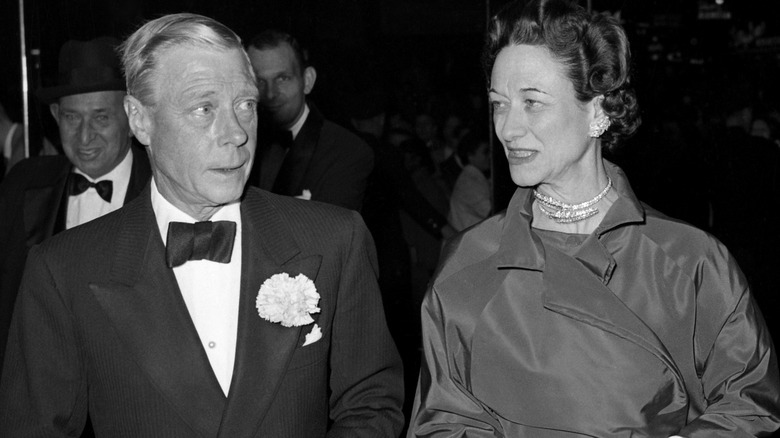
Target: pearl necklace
(564,213)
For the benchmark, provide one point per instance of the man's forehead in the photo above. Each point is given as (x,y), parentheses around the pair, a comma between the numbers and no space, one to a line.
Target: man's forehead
(185,71)
(278,58)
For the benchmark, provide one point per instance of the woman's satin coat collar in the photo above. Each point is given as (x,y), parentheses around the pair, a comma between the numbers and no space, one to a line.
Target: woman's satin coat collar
(594,252)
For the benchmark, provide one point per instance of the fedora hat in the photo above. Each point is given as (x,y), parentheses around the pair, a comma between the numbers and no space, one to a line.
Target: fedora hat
(85,67)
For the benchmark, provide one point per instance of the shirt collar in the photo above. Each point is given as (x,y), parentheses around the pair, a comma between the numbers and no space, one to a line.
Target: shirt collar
(165,212)
(296,127)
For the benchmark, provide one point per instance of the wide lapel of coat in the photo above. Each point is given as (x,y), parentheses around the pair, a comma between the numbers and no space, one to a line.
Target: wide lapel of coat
(304,148)
(263,349)
(576,286)
(145,306)
(42,204)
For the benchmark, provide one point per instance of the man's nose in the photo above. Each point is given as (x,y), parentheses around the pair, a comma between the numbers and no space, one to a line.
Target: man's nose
(232,130)
(86,133)
(269,93)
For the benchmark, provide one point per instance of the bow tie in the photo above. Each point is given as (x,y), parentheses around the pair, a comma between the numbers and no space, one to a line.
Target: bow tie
(199,241)
(78,184)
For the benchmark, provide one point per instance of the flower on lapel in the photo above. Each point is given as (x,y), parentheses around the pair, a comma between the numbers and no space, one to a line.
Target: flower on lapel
(287,300)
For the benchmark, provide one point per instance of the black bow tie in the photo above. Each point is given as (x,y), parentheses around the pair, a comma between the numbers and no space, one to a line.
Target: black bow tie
(78,184)
(199,241)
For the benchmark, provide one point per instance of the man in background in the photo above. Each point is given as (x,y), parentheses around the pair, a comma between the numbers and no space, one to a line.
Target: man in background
(300,153)
(99,172)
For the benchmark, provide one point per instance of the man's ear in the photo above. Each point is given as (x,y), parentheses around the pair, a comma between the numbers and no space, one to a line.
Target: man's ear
(55,111)
(139,119)
(309,77)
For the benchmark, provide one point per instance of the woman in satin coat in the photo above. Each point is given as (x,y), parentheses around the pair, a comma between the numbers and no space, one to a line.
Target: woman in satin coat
(580,311)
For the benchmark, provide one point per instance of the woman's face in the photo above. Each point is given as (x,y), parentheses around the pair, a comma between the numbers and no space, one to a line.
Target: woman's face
(539,121)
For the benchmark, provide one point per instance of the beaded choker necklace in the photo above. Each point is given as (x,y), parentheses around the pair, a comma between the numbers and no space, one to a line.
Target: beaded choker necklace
(564,213)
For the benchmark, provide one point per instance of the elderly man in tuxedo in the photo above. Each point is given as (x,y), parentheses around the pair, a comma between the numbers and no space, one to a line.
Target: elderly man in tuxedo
(201,309)
(100,171)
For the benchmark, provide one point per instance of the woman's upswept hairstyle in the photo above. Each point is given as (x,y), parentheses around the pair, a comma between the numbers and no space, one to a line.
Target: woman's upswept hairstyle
(140,51)
(592,47)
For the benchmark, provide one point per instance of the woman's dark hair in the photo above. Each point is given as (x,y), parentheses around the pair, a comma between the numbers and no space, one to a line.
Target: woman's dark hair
(592,47)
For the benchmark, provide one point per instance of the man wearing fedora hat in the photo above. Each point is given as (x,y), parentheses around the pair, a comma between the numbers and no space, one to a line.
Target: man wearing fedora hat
(99,172)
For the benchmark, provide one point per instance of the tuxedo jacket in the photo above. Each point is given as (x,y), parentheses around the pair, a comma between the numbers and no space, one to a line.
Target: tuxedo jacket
(326,159)
(101,327)
(33,206)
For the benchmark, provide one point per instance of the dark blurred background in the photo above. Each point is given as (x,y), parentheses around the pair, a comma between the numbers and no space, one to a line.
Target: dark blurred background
(701,53)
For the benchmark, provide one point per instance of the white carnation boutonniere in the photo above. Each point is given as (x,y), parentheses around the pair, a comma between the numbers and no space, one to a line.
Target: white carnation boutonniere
(288,300)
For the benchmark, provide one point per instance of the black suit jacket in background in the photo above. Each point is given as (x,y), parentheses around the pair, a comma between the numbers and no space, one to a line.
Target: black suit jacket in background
(326,159)
(32,208)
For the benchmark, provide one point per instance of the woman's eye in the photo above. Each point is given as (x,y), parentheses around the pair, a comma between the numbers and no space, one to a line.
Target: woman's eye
(532,103)
(497,105)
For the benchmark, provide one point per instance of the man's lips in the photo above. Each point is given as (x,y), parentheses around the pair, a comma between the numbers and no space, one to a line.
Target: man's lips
(227,169)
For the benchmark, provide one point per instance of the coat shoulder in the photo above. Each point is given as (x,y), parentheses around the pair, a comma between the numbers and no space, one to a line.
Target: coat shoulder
(344,139)
(471,246)
(680,240)
(35,171)
(303,216)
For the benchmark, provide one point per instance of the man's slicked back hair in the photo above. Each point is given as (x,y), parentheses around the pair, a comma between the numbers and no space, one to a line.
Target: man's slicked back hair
(140,51)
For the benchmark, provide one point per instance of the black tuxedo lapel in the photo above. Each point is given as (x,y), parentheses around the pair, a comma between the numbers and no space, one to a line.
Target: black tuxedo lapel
(263,349)
(43,204)
(145,306)
(270,159)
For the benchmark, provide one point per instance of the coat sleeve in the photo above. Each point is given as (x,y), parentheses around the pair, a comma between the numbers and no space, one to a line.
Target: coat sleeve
(735,359)
(43,390)
(443,405)
(366,377)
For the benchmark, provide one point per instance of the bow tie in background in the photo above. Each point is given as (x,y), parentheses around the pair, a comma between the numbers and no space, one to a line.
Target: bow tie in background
(199,241)
(78,184)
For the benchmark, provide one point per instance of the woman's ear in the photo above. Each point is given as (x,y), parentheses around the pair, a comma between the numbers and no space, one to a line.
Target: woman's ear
(598,109)
(139,119)
(600,121)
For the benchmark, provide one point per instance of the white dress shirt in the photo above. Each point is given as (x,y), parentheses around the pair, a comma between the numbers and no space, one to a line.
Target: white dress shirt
(210,290)
(89,205)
